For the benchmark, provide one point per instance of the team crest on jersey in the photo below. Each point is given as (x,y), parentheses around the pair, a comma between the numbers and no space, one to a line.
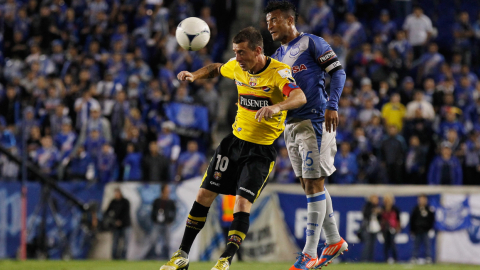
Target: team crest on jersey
(295,50)
(266,89)
(253,81)
(217,175)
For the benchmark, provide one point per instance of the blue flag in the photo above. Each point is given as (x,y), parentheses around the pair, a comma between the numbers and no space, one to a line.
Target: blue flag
(188,116)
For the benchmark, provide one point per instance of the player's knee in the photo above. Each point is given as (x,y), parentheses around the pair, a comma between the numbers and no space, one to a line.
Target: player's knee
(314,185)
(206,197)
(242,205)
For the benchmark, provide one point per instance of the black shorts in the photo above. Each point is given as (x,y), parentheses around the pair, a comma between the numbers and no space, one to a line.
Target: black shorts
(240,168)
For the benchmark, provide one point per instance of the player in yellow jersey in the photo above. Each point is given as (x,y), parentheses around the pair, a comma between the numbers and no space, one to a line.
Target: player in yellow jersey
(244,159)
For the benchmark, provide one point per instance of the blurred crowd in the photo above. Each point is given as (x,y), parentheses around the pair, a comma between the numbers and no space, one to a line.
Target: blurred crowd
(383,222)
(88,84)
(409,112)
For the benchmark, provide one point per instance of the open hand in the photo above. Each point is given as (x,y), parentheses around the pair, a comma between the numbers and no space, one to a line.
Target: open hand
(331,120)
(267,112)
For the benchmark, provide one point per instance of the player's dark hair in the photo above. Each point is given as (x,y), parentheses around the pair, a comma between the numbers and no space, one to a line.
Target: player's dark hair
(250,35)
(284,6)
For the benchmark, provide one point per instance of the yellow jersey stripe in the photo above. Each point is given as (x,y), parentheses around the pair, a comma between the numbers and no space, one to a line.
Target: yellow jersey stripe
(269,171)
(239,233)
(201,219)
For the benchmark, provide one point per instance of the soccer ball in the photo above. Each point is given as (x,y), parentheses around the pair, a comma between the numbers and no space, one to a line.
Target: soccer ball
(193,34)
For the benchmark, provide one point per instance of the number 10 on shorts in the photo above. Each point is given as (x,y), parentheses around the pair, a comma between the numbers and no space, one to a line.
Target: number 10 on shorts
(307,161)
(222,163)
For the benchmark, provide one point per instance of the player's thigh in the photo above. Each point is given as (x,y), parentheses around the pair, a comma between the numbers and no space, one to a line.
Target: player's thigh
(255,172)
(221,175)
(317,148)
(293,148)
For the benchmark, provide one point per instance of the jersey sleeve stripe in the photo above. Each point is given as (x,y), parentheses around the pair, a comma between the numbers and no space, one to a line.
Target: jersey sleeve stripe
(332,66)
(289,87)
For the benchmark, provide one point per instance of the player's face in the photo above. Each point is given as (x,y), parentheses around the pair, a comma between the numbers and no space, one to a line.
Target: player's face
(277,24)
(245,57)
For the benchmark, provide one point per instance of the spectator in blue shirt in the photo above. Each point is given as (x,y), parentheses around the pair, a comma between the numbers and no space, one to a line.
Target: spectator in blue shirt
(132,164)
(28,121)
(430,62)
(106,164)
(402,46)
(169,142)
(344,132)
(415,162)
(352,31)
(374,131)
(180,10)
(385,27)
(321,18)
(466,72)
(451,122)
(98,122)
(54,122)
(346,164)
(445,169)
(65,140)
(463,93)
(191,163)
(81,165)
(7,137)
(47,156)
(350,112)
(93,143)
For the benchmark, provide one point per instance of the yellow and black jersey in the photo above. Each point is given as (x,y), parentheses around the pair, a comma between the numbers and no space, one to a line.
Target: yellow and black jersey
(269,86)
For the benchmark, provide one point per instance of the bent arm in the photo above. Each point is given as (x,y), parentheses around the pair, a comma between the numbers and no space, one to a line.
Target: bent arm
(208,71)
(295,100)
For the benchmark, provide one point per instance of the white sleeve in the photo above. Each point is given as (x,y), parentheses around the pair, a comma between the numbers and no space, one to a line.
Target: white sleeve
(175,152)
(429,24)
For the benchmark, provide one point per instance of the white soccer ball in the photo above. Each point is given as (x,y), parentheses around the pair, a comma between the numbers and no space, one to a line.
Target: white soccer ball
(192,34)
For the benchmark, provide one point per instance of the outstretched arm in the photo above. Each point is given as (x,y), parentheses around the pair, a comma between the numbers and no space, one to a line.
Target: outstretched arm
(295,99)
(207,72)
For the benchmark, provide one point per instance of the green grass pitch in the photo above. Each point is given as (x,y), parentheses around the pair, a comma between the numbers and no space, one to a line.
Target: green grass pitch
(154,265)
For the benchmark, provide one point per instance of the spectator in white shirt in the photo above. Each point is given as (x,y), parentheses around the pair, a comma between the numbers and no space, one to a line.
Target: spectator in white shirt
(418,103)
(419,30)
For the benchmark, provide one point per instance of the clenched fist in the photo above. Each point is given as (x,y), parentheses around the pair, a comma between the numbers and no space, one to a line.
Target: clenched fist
(185,76)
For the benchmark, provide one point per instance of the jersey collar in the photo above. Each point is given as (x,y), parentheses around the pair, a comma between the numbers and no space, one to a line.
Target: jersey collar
(287,46)
(263,69)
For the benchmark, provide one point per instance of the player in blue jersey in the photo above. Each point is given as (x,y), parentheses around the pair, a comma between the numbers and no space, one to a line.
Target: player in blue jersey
(310,130)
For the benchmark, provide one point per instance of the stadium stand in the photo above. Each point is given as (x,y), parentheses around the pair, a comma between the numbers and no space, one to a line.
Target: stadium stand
(91,83)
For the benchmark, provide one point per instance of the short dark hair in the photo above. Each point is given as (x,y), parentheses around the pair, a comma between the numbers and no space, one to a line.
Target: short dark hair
(250,35)
(284,6)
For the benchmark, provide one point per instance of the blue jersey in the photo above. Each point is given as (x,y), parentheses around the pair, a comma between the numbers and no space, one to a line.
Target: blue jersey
(310,58)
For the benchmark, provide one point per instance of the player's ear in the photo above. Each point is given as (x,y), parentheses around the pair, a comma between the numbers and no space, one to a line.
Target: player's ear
(258,50)
(291,20)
